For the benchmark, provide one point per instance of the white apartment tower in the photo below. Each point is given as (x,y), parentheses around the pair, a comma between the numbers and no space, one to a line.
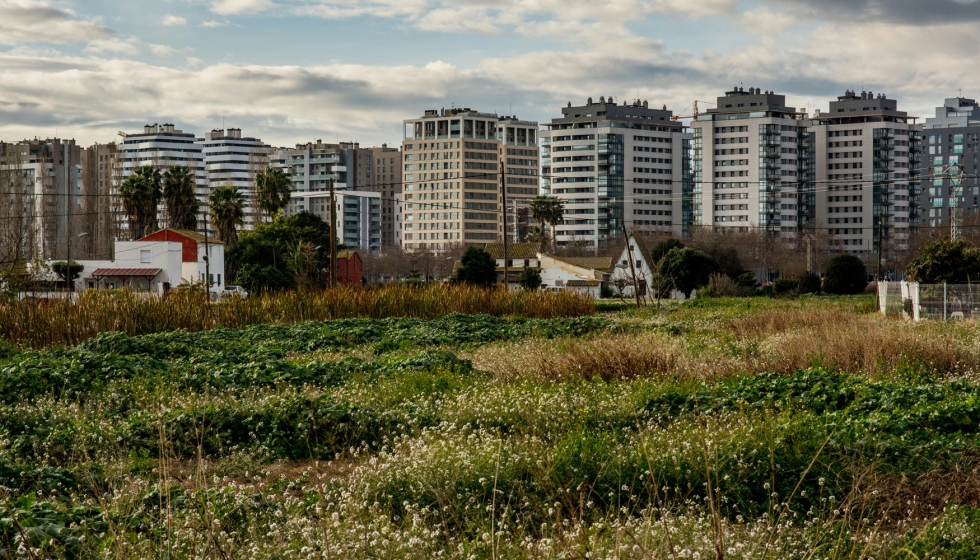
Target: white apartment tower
(455,165)
(233,160)
(753,165)
(162,146)
(616,167)
(866,173)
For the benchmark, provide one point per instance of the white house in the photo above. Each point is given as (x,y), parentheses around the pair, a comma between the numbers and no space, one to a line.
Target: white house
(629,269)
(158,262)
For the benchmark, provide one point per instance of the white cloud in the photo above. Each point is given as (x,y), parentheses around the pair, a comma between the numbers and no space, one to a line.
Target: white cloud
(230,7)
(163,50)
(114,45)
(171,20)
(214,24)
(30,21)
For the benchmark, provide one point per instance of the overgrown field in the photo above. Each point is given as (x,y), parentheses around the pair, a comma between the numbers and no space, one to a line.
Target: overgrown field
(715,428)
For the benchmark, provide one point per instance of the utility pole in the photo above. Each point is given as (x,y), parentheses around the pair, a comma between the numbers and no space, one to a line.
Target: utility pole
(503,189)
(629,253)
(333,236)
(881,228)
(207,255)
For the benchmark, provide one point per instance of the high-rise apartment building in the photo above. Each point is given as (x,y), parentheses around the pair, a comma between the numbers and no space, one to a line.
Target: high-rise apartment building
(233,160)
(163,146)
(358,215)
(42,198)
(380,170)
(950,152)
(455,169)
(616,167)
(753,165)
(101,211)
(866,172)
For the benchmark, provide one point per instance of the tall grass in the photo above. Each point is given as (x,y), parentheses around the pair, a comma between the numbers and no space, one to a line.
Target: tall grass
(62,322)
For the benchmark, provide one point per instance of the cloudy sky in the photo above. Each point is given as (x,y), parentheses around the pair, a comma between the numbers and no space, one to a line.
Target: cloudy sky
(291,71)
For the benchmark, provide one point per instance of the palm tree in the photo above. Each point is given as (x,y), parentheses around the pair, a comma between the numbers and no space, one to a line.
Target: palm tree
(227,213)
(140,194)
(537,235)
(178,193)
(272,188)
(547,209)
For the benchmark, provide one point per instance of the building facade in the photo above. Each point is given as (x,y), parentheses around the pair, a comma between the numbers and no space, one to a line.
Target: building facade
(163,146)
(101,212)
(233,160)
(948,184)
(454,172)
(753,165)
(867,172)
(358,215)
(616,167)
(42,198)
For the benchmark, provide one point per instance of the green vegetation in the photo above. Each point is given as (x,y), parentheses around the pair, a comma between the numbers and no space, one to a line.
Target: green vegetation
(945,261)
(845,275)
(477,268)
(735,428)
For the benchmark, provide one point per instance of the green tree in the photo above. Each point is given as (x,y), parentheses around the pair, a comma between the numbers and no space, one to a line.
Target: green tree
(809,284)
(530,278)
(478,268)
(298,246)
(945,261)
(256,278)
(227,213)
(140,195)
(64,270)
(661,249)
(272,188)
(537,235)
(547,210)
(687,269)
(179,194)
(845,275)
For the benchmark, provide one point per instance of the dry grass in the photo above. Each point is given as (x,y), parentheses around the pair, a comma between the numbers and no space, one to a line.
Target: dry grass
(61,322)
(773,342)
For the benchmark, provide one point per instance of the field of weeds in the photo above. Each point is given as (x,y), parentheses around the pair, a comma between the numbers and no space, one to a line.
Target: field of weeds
(735,429)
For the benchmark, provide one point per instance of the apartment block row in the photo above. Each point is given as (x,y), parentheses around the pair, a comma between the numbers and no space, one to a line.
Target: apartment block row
(861,172)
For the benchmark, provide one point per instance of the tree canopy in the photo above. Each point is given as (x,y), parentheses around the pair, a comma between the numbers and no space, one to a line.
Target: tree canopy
(284,253)
(478,268)
(687,269)
(140,195)
(945,261)
(180,196)
(845,275)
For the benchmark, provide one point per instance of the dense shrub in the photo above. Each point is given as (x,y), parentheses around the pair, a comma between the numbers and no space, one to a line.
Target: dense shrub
(785,287)
(845,275)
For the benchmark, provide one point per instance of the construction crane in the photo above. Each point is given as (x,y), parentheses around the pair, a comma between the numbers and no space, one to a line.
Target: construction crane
(696,112)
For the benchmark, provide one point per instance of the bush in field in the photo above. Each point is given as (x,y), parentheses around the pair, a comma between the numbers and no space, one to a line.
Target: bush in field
(721,285)
(478,268)
(845,275)
(809,283)
(785,287)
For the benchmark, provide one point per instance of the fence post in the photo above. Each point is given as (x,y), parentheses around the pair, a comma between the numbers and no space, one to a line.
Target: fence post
(945,300)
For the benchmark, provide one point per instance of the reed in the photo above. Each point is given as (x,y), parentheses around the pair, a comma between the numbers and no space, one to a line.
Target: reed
(62,322)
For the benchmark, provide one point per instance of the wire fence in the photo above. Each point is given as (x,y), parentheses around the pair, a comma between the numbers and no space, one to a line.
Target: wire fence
(929,301)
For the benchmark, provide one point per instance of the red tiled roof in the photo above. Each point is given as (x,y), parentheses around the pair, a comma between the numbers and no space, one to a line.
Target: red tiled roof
(125,272)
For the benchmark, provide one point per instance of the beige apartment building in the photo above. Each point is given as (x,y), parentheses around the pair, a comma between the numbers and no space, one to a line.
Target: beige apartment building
(753,169)
(865,172)
(456,163)
(101,211)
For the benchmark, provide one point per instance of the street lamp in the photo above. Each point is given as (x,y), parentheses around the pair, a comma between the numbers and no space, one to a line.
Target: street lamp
(68,278)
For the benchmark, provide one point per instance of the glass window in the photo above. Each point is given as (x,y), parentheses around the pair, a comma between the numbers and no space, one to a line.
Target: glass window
(957,138)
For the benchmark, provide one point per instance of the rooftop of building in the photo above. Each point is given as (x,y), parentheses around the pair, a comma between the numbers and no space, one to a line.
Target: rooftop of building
(166,129)
(607,110)
(854,108)
(738,100)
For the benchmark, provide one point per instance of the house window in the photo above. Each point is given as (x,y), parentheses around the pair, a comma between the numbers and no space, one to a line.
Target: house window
(144,256)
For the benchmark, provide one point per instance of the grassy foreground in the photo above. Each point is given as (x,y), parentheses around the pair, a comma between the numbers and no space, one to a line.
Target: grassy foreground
(712,429)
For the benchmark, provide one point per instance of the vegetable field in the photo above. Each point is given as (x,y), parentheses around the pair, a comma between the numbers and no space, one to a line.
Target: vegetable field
(710,429)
